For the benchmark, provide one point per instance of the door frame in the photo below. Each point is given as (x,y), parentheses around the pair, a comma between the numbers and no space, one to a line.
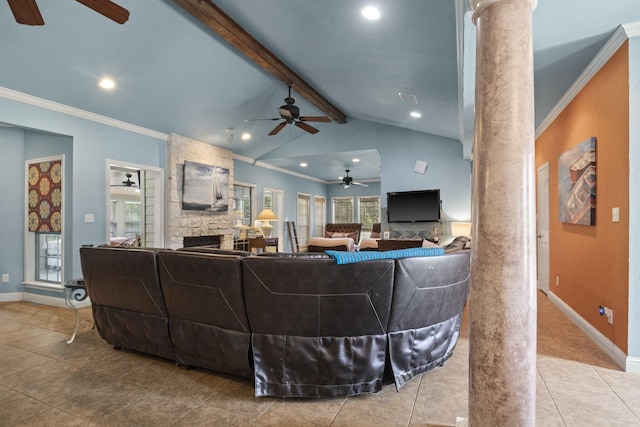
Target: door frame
(158,194)
(542,237)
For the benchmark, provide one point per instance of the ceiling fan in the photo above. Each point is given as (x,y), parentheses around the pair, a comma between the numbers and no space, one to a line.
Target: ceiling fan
(347,181)
(291,114)
(127,183)
(27,12)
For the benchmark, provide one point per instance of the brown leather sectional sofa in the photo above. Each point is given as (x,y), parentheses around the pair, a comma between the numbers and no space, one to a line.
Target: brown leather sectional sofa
(298,324)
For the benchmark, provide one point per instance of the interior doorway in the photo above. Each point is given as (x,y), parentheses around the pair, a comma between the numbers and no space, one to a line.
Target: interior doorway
(543,228)
(135,201)
(274,199)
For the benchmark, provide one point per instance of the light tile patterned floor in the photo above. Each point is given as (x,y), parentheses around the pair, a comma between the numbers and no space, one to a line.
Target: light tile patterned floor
(45,382)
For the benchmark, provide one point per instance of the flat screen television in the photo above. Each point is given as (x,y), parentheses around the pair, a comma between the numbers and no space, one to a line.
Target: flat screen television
(413,206)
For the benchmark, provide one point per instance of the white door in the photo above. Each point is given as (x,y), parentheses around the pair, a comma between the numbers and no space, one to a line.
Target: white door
(543,228)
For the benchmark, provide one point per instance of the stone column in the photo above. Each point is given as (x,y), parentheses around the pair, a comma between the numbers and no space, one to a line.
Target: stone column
(502,346)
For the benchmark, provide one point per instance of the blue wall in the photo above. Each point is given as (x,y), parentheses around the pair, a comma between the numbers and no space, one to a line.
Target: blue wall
(290,184)
(399,149)
(12,207)
(92,143)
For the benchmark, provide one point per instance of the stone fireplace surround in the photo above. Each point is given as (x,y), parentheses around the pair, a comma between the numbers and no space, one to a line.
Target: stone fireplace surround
(182,223)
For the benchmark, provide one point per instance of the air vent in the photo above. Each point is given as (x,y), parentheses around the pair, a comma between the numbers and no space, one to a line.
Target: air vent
(408,98)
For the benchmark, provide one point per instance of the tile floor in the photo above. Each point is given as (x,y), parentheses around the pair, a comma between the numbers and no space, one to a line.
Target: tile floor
(45,382)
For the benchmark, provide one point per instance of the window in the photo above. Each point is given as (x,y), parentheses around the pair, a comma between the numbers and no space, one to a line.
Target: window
(49,257)
(342,210)
(243,197)
(113,222)
(319,210)
(368,213)
(303,219)
(132,219)
(44,241)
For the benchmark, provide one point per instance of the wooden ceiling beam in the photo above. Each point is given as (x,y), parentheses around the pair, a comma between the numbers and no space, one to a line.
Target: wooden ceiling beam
(220,23)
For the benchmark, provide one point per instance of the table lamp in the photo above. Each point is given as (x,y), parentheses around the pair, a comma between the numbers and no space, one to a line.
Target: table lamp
(265,216)
(461,229)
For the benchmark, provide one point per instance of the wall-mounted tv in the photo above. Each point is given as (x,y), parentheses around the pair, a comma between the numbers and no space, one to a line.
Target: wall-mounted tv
(413,206)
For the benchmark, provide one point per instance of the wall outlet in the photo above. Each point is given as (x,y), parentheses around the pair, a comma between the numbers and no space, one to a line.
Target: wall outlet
(606,312)
(609,313)
(557,280)
(5,278)
(615,214)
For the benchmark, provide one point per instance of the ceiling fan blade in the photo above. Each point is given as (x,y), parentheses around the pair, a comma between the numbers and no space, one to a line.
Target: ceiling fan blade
(278,128)
(307,127)
(108,8)
(360,184)
(315,119)
(257,120)
(26,12)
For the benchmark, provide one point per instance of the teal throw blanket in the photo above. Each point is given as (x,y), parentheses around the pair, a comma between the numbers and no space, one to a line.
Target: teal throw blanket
(342,257)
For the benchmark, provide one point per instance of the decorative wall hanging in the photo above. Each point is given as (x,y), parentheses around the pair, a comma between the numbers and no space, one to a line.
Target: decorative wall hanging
(205,187)
(45,196)
(577,184)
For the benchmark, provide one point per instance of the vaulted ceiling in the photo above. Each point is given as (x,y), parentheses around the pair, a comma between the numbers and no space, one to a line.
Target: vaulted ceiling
(174,74)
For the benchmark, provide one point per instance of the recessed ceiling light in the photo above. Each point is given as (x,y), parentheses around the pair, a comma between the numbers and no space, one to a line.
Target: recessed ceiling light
(303,165)
(355,160)
(415,114)
(245,136)
(371,13)
(107,83)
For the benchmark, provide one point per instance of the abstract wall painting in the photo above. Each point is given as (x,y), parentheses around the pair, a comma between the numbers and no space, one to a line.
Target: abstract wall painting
(577,184)
(205,187)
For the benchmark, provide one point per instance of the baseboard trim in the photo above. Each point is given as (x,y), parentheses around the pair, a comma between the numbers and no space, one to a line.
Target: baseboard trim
(52,301)
(633,365)
(11,297)
(43,299)
(596,336)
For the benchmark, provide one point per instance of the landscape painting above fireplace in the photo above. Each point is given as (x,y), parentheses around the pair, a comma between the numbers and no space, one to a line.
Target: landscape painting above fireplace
(577,184)
(205,187)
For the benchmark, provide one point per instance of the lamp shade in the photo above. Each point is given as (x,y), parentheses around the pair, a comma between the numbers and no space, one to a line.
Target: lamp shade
(267,215)
(461,229)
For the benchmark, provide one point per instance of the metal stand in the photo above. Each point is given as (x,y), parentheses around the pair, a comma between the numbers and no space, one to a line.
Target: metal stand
(75,291)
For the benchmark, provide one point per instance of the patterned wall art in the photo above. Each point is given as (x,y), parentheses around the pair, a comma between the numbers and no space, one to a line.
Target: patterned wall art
(577,184)
(44,194)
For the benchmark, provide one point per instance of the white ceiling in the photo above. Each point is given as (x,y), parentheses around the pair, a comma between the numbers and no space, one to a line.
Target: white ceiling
(174,75)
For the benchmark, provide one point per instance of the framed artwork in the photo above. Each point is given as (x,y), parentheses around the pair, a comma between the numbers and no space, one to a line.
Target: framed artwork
(577,184)
(44,194)
(205,187)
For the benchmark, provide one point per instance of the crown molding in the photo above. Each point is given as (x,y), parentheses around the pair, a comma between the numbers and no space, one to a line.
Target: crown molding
(276,168)
(76,112)
(622,34)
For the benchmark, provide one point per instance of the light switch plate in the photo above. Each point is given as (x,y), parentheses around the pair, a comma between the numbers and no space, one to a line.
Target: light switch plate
(615,214)
(88,218)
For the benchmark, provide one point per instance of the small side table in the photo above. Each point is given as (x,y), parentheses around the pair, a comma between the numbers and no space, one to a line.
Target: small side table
(263,243)
(75,291)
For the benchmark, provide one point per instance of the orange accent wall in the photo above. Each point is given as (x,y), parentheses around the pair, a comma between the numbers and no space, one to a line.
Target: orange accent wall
(591,262)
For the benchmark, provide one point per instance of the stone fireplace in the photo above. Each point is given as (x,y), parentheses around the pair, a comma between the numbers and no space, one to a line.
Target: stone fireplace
(212,241)
(195,226)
